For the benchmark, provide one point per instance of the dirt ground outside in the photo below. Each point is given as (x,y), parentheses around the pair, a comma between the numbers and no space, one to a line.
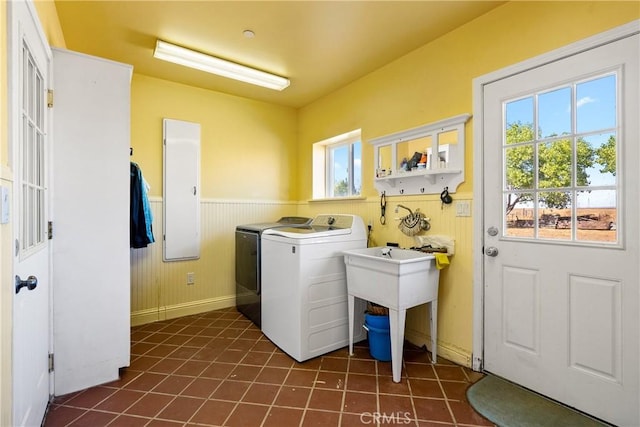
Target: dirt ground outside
(593,224)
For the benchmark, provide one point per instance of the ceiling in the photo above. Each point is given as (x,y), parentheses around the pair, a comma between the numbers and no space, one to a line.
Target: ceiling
(320,45)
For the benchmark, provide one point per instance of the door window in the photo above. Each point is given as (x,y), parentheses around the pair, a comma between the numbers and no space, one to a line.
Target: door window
(560,148)
(32,226)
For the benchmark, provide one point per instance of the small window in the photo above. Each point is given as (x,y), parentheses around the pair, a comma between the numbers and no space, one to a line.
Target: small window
(337,166)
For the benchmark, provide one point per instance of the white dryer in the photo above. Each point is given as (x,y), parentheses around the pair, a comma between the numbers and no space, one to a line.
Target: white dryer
(304,285)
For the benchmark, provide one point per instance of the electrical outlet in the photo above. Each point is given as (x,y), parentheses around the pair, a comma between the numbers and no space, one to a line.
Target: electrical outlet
(191,278)
(463,208)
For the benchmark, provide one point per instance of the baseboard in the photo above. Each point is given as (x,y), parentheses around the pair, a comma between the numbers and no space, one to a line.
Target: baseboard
(142,317)
(445,350)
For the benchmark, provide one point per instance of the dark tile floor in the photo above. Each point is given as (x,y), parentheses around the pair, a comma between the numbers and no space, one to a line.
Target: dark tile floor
(217,368)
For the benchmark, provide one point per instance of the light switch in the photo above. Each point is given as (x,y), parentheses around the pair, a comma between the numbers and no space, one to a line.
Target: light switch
(4,203)
(463,208)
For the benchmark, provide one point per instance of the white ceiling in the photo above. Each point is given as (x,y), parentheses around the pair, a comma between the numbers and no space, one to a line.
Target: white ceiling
(320,45)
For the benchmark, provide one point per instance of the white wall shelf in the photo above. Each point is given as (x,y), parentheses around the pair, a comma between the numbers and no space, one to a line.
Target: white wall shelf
(445,137)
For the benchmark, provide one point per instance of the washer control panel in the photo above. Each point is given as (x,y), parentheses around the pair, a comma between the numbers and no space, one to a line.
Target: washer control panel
(333,221)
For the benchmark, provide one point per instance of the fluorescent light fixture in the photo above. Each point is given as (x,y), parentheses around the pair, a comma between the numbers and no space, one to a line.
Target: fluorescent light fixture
(210,64)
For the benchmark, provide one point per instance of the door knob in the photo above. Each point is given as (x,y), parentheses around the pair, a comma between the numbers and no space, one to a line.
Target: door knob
(491,251)
(30,283)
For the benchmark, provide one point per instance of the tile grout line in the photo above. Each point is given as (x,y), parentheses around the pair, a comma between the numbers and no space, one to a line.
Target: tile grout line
(237,403)
(378,407)
(446,399)
(344,388)
(413,403)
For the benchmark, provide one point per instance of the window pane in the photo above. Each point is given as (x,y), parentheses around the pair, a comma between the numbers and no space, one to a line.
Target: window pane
(555,164)
(39,101)
(357,168)
(519,114)
(30,104)
(39,220)
(555,200)
(602,170)
(597,216)
(554,113)
(519,167)
(31,225)
(596,104)
(519,214)
(554,216)
(519,132)
(340,162)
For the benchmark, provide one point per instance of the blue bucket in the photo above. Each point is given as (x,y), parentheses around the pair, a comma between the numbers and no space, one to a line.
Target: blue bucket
(379,336)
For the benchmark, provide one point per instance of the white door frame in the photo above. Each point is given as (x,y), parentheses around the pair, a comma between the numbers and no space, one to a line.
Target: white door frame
(478,150)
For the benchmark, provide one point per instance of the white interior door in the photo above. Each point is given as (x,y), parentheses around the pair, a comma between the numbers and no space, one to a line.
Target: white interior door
(561,230)
(29,59)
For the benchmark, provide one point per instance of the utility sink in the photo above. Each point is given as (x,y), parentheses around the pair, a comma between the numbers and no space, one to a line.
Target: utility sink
(397,279)
(392,277)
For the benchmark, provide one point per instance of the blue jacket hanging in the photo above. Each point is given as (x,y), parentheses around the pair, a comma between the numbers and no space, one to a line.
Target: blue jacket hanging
(140,225)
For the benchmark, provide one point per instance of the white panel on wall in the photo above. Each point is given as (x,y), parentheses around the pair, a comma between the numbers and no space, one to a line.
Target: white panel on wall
(595,330)
(181,192)
(521,320)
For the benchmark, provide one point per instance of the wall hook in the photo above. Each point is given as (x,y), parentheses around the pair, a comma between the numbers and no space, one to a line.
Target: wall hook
(445,196)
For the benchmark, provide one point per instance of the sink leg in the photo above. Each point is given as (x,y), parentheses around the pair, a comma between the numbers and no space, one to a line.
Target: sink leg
(350,303)
(396,329)
(434,330)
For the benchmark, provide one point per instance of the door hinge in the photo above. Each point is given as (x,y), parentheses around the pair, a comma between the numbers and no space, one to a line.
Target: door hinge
(50,362)
(50,98)
(50,230)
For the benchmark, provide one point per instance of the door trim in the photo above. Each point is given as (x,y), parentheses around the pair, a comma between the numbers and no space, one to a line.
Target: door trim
(623,31)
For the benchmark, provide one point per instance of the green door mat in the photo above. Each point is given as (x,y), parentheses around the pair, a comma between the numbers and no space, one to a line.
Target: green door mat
(508,405)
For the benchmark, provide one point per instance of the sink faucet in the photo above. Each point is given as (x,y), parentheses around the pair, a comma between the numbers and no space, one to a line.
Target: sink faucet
(386,252)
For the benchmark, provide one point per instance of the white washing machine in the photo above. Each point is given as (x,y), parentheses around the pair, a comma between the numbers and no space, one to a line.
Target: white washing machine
(304,285)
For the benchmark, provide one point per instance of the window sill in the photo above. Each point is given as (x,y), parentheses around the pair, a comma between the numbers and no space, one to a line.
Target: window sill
(337,199)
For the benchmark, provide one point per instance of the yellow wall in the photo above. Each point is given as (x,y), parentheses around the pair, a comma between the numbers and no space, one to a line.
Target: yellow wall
(432,83)
(50,23)
(248,148)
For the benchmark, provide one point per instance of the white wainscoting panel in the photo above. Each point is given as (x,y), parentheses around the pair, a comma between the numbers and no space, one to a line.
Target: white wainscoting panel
(159,289)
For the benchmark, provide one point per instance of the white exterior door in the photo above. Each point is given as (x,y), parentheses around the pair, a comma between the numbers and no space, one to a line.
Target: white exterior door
(561,235)
(29,60)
